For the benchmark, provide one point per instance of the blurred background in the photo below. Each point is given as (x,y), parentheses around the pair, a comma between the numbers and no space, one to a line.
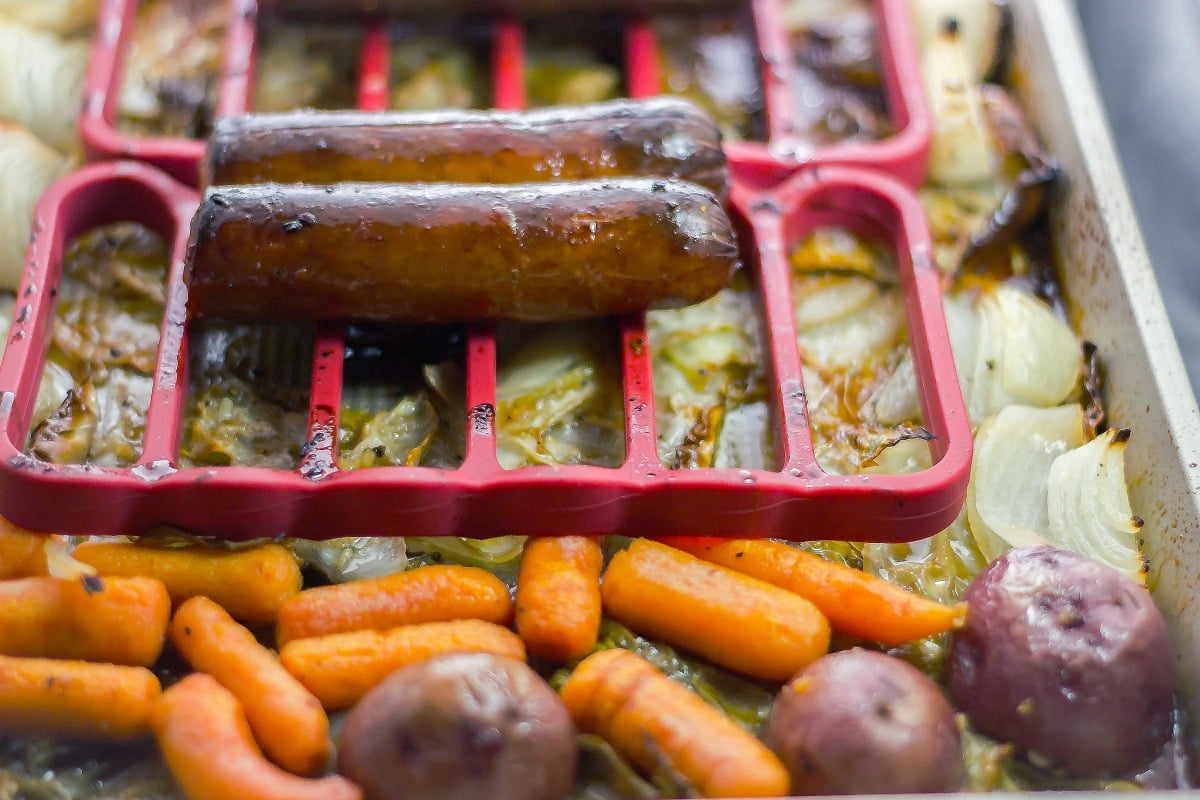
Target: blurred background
(1147,59)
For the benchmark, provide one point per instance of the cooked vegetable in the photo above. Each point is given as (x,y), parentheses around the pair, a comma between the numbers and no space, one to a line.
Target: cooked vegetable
(252,584)
(27,168)
(567,75)
(432,72)
(744,701)
(710,385)
(1068,660)
(301,65)
(171,67)
(855,603)
(342,667)
(461,727)
(429,594)
(558,596)
(352,558)
(651,719)
(1025,354)
(288,722)
(75,699)
(961,151)
(41,84)
(206,741)
(558,395)
(731,619)
(713,60)
(116,620)
(22,552)
(1088,505)
(977,22)
(64,17)
(1006,498)
(837,78)
(861,722)
(446,252)
(659,137)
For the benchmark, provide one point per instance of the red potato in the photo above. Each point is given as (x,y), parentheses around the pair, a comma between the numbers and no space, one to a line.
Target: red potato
(1068,660)
(460,727)
(861,722)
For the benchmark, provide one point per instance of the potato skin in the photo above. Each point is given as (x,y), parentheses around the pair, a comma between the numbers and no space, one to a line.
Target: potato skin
(1067,659)
(662,137)
(861,722)
(456,252)
(460,727)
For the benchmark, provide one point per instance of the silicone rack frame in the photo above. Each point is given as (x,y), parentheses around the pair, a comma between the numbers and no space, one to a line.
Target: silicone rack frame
(903,154)
(642,497)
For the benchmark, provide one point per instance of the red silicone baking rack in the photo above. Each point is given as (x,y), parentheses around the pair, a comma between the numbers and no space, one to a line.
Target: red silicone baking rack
(903,154)
(796,500)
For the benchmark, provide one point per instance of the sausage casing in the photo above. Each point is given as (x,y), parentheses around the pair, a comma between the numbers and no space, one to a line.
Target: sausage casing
(660,137)
(456,252)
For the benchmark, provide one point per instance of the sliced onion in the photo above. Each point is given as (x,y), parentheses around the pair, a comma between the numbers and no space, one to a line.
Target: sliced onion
(1088,505)
(898,400)
(353,558)
(27,168)
(856,340)
(1042,358)
(41,83)
(961,150)
(1026,355)
(820,301)
(978,23)
(61,564)
(64,17)
(1006,498)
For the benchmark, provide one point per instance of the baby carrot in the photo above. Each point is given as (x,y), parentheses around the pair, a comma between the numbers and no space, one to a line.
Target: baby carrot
(731,619)
(649,718)
(856,603)
(22,553)
(426,594)
(251,584)
(207,744)
(75,699)
(115,620)
(340,668)
(288,722)
(558,596)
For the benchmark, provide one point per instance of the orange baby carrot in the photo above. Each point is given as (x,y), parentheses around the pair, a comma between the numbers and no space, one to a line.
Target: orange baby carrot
(251,584)
(206,742)
(648,718)
(116,620)
(558,596)
(288,722)
(22,552)
(340,668)
(426,594)
(75,699)
(731,619)
(856,603)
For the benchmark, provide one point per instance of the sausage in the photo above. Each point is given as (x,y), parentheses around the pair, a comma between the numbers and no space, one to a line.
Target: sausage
(658,137)
(438,9)
(456,252)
